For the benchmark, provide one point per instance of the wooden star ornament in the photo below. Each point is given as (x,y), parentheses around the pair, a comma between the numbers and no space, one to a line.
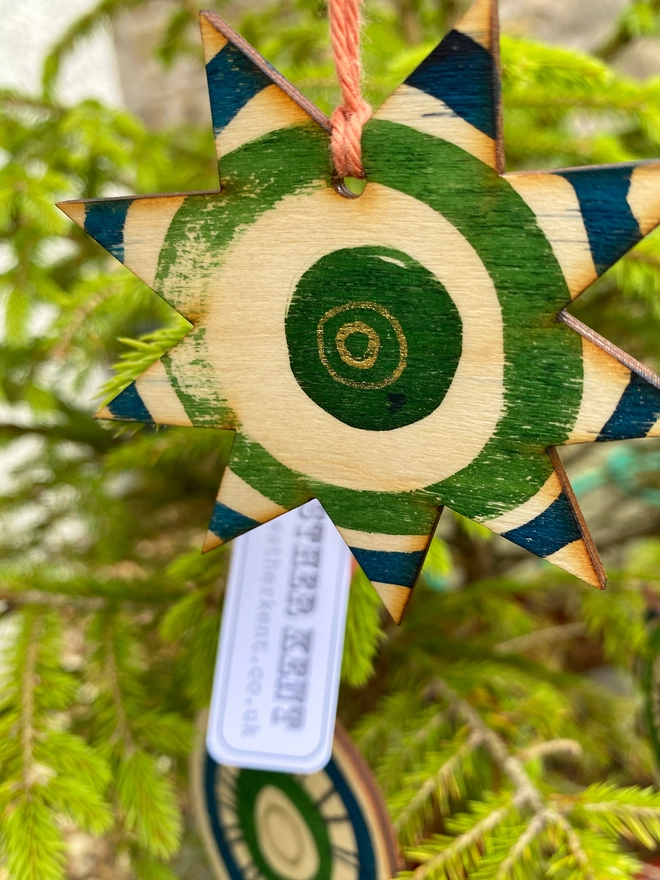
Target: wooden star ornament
(398,352)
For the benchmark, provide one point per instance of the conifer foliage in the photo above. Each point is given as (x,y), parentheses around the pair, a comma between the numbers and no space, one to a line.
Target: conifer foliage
(512,720)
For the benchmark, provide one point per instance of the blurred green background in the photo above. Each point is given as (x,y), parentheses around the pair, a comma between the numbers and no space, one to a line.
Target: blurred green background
(511,719)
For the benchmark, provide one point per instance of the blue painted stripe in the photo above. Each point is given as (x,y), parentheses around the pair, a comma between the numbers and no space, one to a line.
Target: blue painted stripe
(233,81)
(217,828)
(549,531)
(104,221)
(366,855)
(463,74)
(368,868)
(636,412)
(611,226)
(389,568)
(129,405)
(227,523)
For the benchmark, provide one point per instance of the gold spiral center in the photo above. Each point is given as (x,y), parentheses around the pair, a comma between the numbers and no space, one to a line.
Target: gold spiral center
(370,356)
(366,360)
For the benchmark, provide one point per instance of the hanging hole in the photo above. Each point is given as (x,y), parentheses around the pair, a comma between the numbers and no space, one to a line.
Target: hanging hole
(349,187)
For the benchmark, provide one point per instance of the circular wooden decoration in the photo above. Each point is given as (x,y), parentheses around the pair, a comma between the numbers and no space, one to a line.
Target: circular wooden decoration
(262,825)
(402,351)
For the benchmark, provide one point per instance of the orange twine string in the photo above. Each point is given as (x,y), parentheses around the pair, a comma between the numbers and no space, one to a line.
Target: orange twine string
(347,120)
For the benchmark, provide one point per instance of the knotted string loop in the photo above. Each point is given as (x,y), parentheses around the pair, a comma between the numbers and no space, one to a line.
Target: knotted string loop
(347,120)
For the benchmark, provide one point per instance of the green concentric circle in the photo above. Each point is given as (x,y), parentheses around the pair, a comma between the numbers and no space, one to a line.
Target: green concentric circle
(282,826)
(374,338)
(328,825)
(542,358)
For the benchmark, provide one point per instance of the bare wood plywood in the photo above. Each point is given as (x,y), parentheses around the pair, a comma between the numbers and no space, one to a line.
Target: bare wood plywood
(398,352)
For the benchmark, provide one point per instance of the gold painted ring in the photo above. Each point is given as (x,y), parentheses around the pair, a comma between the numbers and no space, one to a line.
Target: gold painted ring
(371,355)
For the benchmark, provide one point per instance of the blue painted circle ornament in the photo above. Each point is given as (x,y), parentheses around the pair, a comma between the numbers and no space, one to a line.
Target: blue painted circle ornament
(262,825)
(400,352)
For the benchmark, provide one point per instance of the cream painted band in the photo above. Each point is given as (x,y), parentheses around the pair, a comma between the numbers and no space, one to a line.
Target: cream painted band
(394,598)
(212,40)
(196,380)
(340,831)
(643,196)
(342,837)
(605,380)
(575,559)
(158,396)
(285,841)
(197,773)
(318,785)
(384,543)
(421,111)
(229,819)
(477,23)
(248,349)
(147,223)
(346,760)
(211,541)
(528,511)
(557,209)
(155,389)
(74,211)
(269,110)
(240,496)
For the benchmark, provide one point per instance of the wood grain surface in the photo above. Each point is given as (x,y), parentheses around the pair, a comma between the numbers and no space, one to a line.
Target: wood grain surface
(398,352)
(260,825)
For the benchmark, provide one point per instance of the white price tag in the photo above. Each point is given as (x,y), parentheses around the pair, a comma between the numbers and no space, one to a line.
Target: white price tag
(277,672)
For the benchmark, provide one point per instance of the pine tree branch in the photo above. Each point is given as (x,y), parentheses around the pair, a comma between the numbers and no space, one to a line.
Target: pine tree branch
(432,724)
(574,845)
(82,27)
(641,257)
(79,316)
(440,781)
(622,809)
(548,816)
(641,104)
(622,36)
(28,686)
(547,636)
(192,8)
(469,839)
(535,827)
(553,747)
(14,98)
(122,728)
(11,600)
(527,795)
(512,767)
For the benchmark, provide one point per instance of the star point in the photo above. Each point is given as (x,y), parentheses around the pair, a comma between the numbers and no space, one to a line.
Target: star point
(400,352)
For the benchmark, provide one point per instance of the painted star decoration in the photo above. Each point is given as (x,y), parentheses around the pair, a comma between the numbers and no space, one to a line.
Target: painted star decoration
(398,352)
